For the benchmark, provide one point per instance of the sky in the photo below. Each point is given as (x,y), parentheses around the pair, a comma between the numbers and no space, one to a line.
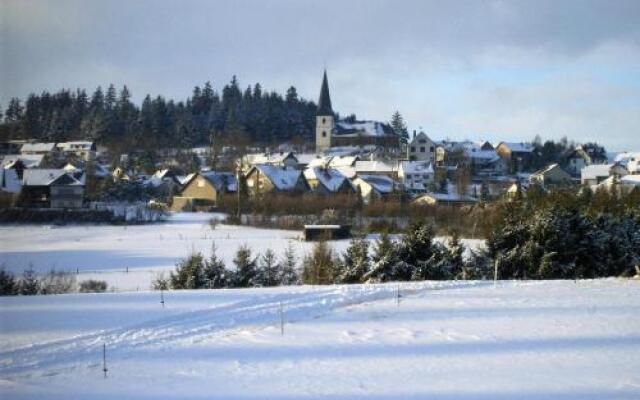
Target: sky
(490,70)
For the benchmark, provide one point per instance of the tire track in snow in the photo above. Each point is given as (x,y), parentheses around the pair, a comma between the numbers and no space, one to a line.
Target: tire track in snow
(193,326)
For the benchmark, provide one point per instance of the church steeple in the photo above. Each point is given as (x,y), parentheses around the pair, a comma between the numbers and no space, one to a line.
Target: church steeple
(324,103)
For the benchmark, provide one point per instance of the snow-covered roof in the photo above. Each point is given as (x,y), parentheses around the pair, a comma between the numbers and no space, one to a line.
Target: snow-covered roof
(222,180)
(630,180)
(37,147)
(416,167)
(381,184)
(283,178)
(343,161)
(76,145)
(449,197)
(29,160)
(308,158)
(268,158)
(595,171)
(330,178)
(362,166)
(545,170)
(46,177)
(519,147)
(363,128)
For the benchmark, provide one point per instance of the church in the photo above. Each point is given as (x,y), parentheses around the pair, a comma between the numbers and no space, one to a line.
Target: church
(348,132)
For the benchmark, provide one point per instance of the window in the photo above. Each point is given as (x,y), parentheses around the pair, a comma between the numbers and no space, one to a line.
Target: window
(413,149)
(432,149)
(324,133)
(324,120)
(422,141)
(421,149)
(200,183)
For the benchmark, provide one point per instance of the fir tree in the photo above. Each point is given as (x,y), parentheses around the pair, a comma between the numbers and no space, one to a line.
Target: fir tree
(215,272)
(319,267)
(246,268)
(8,284)
(189,273)
(269,269)
(355,261)
(399,127)
(288,274)
(383,261)
(29,282)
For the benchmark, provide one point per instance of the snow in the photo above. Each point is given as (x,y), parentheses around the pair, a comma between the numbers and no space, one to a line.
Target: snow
(330,178)
(283,178)
(519,147)
(130,257)
(595,171)
(362,128)
(443,340)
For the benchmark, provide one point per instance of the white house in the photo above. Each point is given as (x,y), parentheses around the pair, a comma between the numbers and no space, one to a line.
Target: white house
(416,176)
(421,148)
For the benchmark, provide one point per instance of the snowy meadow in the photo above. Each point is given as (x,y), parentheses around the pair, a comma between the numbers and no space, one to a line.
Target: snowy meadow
(439,340)
(129,257)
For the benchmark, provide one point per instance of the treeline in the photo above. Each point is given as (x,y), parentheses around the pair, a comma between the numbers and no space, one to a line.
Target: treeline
(551,151)
(53,282)
(111,118)
(563,234)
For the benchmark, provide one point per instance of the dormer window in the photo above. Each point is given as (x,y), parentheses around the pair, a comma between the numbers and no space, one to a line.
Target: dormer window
(324,133)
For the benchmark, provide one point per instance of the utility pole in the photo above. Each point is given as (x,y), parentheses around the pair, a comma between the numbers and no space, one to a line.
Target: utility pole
(495,272)
(162,297)
(238,171)
(281,311)
(398,296)
(104,359)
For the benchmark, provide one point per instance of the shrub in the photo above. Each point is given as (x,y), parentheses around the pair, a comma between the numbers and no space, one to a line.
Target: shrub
(93,286)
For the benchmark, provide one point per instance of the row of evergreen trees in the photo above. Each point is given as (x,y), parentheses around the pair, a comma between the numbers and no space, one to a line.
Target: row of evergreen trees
(110,117)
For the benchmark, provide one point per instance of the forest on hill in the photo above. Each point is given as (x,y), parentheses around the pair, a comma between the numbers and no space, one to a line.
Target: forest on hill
(109,117)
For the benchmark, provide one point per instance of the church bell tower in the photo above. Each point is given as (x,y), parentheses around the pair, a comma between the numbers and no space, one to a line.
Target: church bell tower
(324,118)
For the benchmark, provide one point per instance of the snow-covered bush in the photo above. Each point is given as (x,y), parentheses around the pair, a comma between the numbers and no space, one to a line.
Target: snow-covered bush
(93,286)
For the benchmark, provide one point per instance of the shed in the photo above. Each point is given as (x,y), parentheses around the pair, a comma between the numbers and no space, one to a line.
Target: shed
(326,232)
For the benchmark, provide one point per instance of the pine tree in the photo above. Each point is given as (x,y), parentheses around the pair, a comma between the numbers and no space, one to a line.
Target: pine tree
(288,274)
(215,272)
(399,127)
(319,266)
(355,261)
(383,261)
(269,269)
(29,282)
(455,250)
(189,273)
(8,284)
(246,267)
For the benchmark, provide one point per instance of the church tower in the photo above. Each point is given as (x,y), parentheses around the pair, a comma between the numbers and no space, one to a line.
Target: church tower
(324,117)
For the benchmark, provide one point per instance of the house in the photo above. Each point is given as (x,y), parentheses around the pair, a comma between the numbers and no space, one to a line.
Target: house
(52,188)
(518,156)
(380,168)
(421,148)
(373,187)
(349,131)
(277,159)
(416,176)
(630,160)
(264,178)
(168,178)
(11,147)
(444,199)
(203,190)
(552,175)
(38,148)
(83,150)
(594,174)
(327,181)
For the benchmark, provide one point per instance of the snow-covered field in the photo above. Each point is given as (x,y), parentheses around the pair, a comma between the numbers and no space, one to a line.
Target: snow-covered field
(444,340)
(130,257)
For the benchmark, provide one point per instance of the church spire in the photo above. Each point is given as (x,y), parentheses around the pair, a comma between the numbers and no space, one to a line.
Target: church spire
(324,103)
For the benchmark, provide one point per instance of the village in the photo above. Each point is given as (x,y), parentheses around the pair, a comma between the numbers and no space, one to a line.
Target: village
(366,160)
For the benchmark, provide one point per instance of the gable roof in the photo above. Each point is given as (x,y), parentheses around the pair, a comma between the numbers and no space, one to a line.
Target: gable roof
(269,158)
(381,184)
(282,178)
(373,166)
(520,147)
(48,177)
(330,178)
(28,160)
(221,181)
(416,167)
(37,147)
(595,171)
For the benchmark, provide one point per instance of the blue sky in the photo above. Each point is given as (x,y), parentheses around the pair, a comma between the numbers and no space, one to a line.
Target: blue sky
(465,69)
